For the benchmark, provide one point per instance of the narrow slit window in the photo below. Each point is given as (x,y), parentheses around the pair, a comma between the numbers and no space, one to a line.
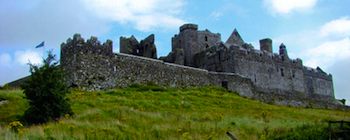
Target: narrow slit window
(282,74)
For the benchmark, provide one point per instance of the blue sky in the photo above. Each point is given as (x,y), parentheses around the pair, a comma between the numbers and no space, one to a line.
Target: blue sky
(317,31)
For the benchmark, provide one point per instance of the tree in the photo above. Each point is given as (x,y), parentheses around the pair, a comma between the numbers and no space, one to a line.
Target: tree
(46,92)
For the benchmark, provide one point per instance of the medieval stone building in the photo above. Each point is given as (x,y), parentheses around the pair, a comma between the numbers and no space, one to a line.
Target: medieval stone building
(197,58)
(267,70)
(145,48)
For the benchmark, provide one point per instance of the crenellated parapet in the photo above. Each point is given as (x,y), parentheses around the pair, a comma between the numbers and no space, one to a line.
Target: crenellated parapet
(77,44)
(189,27)
(247,52)
(87,63)
(198,57)
(317,73)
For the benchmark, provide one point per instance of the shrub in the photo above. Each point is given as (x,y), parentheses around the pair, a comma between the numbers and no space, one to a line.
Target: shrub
(46,90)
(5,87)
(15,126)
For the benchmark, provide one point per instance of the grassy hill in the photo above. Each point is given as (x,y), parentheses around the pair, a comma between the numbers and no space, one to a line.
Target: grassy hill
(151,112)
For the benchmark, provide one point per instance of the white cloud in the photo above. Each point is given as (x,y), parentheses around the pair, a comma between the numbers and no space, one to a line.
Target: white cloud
(25,23)
(143,15)
(322,46)
(15,66)
(334,43)
(28,56)
(339,27)
(327,46)
(328,53)
(288,6)
(216,14)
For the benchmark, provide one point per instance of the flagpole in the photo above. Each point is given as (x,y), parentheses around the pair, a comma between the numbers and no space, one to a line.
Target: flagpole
(42,45)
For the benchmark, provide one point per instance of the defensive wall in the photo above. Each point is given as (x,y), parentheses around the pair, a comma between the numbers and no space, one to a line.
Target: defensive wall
(90,65)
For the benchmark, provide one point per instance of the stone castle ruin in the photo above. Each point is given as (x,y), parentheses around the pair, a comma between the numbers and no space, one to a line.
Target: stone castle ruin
(145,48)
(199,58)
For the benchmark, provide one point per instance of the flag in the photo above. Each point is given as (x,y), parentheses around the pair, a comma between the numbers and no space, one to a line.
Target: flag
(40,45)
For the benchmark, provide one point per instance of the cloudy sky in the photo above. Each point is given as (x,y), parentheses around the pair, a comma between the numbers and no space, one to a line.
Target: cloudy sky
(317,31)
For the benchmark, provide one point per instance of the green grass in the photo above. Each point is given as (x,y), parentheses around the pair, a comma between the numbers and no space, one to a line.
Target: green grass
(14,107)
(151,112)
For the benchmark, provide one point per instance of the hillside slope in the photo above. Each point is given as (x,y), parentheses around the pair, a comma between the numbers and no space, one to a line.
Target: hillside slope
(151,112)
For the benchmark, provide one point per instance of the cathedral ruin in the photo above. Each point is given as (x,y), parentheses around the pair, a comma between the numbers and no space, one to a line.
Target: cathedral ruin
(198,58)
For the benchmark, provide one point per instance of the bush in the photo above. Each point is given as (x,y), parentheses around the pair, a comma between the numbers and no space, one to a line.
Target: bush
(46,91)
(16,126)
(5,87)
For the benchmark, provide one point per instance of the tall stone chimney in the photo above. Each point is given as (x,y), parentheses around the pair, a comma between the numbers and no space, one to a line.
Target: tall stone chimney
(266,45)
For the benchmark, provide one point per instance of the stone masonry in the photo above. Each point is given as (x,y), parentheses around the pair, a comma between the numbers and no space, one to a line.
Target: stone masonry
(269,72)
(145,48)
(198,58)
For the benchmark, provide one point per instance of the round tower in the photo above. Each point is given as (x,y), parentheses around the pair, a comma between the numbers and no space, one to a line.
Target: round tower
(189,26)
(188,41)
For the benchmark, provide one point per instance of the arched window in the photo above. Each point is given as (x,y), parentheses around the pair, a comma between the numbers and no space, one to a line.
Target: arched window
(206,38)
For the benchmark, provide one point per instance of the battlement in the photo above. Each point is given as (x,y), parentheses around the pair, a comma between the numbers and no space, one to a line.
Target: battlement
(189,27)
(198,57)
(318,72)
(91,46)
(252,54)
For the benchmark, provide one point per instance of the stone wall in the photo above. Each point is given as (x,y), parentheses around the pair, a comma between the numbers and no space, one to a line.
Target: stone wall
(192,41)
(97,69)
(318,83)
(132,69)
(269,72)
(78,59)
(256,74)
(216,58)
(145,48)
(207,39)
